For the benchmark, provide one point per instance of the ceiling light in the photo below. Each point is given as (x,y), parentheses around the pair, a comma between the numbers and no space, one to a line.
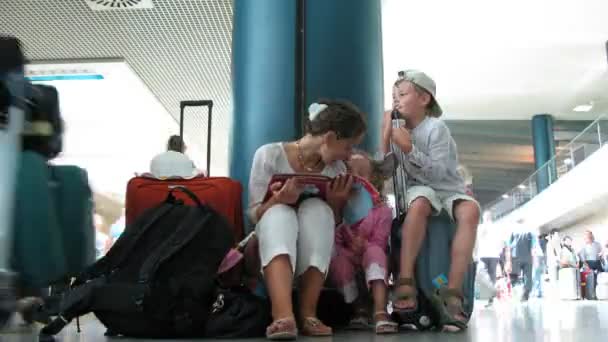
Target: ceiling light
(583,108)
(521,186)
(505,196)
(568,161)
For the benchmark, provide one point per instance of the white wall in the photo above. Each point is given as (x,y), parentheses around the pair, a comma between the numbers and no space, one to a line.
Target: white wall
(579,194)
(597,223)
(114,126)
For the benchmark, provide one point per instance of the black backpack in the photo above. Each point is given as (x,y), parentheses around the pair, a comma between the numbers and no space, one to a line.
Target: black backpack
(159,278)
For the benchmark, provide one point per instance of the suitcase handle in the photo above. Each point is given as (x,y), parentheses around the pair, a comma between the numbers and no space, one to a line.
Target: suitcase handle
(198,103)
(187,191)
(400,194)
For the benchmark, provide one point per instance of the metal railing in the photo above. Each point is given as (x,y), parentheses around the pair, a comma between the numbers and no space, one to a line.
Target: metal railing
(566,158)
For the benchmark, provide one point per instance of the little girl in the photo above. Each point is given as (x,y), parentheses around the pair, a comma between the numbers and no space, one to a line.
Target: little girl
(360,248)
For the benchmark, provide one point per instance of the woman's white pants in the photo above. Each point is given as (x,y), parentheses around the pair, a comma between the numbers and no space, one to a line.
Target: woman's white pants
(305,234)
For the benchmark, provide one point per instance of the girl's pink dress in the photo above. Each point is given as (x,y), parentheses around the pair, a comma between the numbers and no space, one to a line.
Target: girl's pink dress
(346,264)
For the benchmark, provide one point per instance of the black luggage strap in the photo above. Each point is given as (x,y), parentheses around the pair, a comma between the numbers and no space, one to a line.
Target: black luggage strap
(184,233)
(96,295)
(185,190)
(121,249)
(400,194)
(119,258)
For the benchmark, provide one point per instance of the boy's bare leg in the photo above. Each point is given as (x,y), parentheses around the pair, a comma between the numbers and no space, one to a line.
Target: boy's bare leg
(412,236)
(466,214)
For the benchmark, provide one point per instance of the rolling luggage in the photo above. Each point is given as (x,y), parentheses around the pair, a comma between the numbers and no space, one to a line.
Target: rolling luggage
(588,284)
(73,200)
(433,262)
(12,87)
(221,193)
(38,251)
(53,213)
(601,290)
(569,283)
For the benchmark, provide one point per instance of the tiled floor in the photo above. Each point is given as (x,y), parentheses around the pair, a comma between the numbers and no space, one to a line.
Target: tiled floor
(537,320)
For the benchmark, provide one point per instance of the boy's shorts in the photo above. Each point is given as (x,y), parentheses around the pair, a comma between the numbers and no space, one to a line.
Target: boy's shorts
(439,199)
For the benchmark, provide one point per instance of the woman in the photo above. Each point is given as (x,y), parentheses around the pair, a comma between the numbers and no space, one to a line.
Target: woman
(553,254)
(591,252)
(296,236)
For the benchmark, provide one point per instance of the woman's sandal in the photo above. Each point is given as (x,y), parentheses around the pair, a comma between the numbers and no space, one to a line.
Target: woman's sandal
(313,327)
(400,295)
(448,309)
(282,329)
(384,324)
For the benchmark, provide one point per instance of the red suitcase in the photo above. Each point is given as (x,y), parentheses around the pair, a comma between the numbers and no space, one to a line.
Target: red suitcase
(221,193)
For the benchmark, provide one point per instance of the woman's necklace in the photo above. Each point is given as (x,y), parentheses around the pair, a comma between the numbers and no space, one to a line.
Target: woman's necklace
(301,159)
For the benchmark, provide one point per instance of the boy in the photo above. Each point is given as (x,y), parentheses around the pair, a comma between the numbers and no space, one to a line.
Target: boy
(431,162)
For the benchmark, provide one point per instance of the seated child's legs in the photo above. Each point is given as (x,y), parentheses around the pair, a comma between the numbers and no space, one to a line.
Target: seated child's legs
(342,275)
(422,202)
(466,213)
(376,275)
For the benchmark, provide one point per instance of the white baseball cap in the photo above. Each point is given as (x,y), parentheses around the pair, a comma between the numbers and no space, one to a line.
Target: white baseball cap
(423,80)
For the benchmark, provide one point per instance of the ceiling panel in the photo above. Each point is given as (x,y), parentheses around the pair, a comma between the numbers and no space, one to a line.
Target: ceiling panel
(181,49)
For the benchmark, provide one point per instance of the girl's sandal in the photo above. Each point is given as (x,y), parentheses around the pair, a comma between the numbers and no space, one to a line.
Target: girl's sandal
(384,324)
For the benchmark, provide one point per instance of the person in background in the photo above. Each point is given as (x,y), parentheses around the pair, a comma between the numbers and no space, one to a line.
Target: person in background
(518,258)
(490,246)
(118,227)
(173,162)
(568,258)
(552,255)
(102,240)
(538,266)
(604,257)
(590,253)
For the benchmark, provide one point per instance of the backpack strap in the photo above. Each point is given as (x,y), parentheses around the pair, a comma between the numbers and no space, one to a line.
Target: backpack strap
(185,232)
(121,249)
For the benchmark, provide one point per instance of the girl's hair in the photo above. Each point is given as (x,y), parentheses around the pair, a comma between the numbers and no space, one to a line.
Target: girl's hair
(378,174)
(340,117)
(176,144)
(421,91)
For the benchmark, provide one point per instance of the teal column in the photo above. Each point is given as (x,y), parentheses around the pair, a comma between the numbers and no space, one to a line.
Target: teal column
(343,57)
(263,80)
(544,150)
